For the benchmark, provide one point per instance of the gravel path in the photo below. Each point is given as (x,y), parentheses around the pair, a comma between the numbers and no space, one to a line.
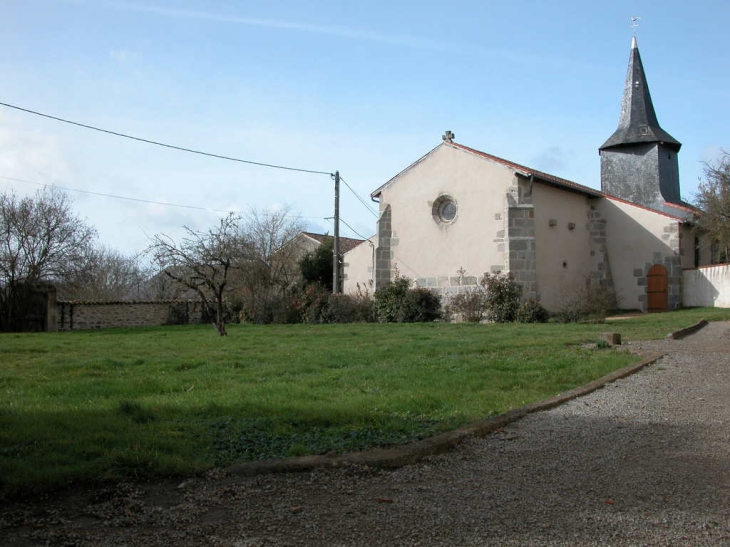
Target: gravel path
(643,461)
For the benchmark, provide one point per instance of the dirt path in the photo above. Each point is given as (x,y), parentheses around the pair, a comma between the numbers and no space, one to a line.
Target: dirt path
(643,461)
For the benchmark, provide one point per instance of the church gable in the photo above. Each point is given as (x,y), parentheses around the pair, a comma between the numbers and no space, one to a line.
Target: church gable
(442,215)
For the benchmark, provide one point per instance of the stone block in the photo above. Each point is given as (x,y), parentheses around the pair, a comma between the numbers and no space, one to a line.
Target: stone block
(638,272)
(613,338)
(527,276)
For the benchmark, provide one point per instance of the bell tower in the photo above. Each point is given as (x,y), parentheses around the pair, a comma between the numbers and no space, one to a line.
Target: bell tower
(639,161)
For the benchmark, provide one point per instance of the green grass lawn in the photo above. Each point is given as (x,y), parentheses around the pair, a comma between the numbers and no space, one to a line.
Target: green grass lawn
(101,405)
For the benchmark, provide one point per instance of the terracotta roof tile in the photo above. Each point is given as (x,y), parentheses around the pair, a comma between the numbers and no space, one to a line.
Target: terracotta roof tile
(346,243)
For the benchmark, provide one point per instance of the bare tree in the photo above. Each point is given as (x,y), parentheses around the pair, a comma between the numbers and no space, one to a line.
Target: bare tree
(270,234)
(713,200)
(40,240)
(262,286)
(109,275)
(203,261)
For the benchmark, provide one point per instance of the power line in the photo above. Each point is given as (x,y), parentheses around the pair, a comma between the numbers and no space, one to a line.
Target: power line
(358,234)
(261,164)
(367,206)
(127,198)
(352,229)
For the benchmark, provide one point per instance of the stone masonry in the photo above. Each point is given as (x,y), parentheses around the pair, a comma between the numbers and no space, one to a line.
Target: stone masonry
(520,243)
(101,315)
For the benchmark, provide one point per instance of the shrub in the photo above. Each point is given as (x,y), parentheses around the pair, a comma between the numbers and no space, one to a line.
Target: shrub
(396,302)
(503,296)
(284,310)
(389,300)
(421,306)
(345,308)
(472,304)
(317,305)
(531,311)
(497,297)
(588,303)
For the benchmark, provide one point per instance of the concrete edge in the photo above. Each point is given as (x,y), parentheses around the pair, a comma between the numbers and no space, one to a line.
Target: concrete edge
(681,333)
(413,452)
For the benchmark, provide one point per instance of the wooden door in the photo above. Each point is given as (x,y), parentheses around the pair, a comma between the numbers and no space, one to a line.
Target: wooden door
(657,293)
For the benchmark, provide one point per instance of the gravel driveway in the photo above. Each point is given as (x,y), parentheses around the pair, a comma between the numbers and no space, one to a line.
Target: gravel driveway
(643,461)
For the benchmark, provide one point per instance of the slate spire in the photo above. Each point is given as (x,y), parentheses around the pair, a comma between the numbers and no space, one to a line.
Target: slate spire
(637,121)
(639,162)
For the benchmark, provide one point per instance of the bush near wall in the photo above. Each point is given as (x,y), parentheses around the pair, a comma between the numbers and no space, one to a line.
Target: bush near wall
(397,302)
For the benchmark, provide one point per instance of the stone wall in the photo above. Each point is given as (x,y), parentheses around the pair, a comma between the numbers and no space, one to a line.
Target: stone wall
(383,253)
(521,250)
(101,315)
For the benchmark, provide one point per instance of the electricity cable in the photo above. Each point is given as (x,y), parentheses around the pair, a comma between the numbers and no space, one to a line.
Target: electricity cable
(127,198)
(367,206)
(190,150)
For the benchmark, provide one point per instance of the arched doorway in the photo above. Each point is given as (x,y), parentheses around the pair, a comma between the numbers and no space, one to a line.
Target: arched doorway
(657,293)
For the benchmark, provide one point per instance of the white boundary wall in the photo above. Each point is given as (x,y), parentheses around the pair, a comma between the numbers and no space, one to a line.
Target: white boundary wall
(707,286)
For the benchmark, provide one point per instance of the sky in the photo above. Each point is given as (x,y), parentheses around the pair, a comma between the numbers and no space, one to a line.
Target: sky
(364,88)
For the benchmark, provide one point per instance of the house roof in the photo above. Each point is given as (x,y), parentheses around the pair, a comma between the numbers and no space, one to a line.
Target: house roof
(346,243)
(522,169)
(638,122)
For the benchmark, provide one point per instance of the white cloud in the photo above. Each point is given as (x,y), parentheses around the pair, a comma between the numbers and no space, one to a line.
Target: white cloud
(711,154)
(31,155)
(342,32)
(552,160)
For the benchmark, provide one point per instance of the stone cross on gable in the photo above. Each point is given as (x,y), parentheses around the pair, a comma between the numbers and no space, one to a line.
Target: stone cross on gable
(448,137)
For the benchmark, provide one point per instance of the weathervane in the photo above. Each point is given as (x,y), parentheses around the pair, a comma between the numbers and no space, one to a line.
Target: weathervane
(634,24)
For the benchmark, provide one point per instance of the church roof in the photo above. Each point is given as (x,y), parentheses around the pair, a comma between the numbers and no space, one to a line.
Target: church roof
(638,122)
(540,175)
(547,178)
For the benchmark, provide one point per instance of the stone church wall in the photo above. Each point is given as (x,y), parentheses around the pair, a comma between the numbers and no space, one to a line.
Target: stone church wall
(637,239)
(564,240)
(102,315)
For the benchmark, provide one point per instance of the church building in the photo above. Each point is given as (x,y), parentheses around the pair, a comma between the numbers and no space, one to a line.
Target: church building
(457,212)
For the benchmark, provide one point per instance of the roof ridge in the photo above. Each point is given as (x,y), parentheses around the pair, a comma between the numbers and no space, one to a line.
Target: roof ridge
(547,177)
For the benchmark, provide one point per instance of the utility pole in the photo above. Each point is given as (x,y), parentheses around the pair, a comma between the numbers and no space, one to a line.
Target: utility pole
(336,250)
